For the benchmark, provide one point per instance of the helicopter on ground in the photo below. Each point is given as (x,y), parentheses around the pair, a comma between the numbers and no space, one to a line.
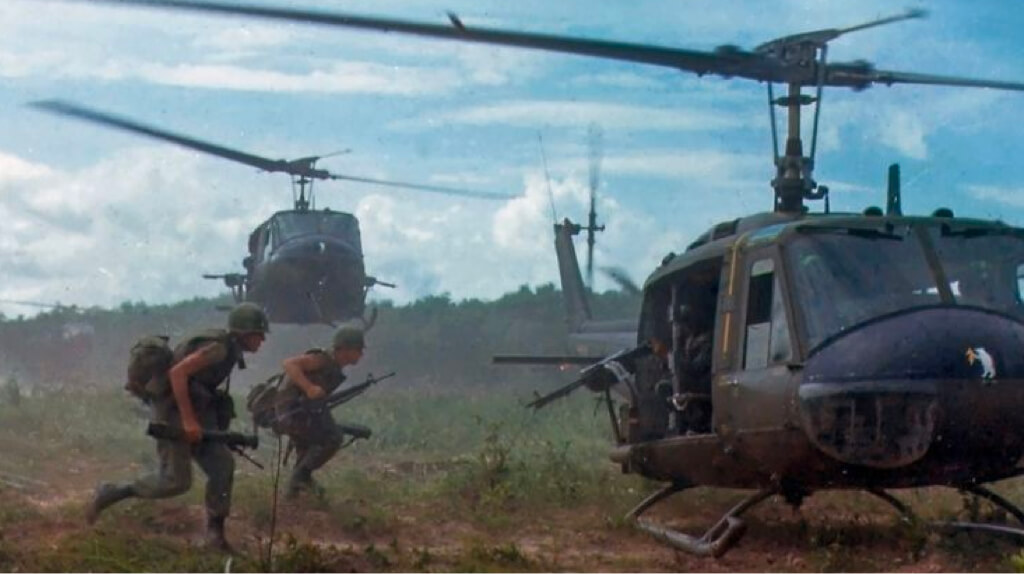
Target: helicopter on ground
(304,265)
(794,351)
(589,340)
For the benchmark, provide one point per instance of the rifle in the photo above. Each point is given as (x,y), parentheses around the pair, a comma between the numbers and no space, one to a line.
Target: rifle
(335,399)
(355,431)
(599,375)
(233,440)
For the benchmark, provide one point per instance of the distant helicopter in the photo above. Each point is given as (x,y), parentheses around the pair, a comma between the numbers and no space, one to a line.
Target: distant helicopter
(790,351)
(304,265)
(589,340)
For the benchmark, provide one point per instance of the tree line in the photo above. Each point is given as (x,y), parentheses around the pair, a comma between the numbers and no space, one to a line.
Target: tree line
(431,341)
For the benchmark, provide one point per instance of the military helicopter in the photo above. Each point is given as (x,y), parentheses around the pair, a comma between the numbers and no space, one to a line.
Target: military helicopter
(589,340)
(794,351)
(304,265)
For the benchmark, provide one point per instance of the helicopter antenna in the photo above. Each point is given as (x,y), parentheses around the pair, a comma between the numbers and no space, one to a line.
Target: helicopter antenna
(893,201)
(547,178)
(595,141)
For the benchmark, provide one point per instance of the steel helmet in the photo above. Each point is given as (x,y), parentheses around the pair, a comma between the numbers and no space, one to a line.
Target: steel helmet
(348,336)
(248,318)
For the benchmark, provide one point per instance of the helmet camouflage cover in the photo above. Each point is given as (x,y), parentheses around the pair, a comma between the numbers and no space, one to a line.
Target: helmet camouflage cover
(248,318)
(348,336)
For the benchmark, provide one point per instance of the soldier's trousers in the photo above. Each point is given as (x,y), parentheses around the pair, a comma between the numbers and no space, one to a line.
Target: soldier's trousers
(316,439)
(174,475)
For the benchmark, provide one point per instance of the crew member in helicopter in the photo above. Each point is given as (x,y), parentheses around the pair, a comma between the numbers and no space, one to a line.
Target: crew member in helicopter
(313,433)
(693,403)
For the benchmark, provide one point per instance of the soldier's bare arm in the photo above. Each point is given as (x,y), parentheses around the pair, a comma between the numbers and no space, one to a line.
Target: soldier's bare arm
(296,369)
(180,374)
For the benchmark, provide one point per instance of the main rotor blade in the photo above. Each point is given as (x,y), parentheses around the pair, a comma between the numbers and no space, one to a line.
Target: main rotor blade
(840,74)
(689,60)
(430,188)
(821,37)
(727,61)
(95,116)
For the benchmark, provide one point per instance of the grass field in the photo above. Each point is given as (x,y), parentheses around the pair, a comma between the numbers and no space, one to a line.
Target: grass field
(452,480)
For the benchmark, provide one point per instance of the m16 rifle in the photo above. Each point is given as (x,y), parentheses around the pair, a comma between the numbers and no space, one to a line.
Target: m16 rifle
(235,441)
(334,400)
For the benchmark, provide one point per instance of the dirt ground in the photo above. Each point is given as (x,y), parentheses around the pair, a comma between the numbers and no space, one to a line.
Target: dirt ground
(324,534)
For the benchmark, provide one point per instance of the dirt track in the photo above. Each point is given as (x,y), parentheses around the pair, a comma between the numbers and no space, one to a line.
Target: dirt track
(819,537)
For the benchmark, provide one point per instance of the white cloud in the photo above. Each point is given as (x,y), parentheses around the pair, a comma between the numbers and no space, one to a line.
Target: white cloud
(571,113)
(1008,196)
(246,38)
(343,77)
(142,225)
(16,169)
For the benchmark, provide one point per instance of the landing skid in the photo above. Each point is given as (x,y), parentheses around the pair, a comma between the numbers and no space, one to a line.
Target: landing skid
(978,491)
(730,528)
(716,541)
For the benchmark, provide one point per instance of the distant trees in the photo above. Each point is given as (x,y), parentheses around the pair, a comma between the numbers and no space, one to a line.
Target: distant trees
(431,341)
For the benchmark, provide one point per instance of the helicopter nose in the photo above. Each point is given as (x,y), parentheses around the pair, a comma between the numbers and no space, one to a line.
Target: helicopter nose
(944,382)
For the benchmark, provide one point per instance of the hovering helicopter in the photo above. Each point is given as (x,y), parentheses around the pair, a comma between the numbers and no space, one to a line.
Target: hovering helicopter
(304,265)
(793,351)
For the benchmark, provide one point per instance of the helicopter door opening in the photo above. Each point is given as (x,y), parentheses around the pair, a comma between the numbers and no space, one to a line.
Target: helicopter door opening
(675,380)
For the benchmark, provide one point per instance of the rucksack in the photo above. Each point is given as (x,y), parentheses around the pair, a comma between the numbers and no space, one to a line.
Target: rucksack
(150,358)
(262,401)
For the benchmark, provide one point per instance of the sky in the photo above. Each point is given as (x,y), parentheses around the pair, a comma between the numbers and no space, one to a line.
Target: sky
(91,216)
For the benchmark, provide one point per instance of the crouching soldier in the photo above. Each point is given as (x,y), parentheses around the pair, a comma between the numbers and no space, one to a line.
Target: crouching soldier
(312,432)
(190,396)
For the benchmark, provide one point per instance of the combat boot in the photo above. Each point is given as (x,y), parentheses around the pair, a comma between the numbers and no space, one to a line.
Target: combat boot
(301,481)
(215,539)
(106,494)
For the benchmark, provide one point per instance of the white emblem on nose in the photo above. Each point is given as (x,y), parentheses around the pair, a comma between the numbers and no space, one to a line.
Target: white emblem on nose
(988,364)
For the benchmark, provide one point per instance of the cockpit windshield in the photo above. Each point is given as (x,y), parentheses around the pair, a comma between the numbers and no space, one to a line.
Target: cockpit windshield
(845,276)
(340,225)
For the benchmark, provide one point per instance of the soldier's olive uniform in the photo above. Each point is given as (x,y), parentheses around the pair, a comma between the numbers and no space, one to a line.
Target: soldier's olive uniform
(314,434)
(149,378)
(214,410)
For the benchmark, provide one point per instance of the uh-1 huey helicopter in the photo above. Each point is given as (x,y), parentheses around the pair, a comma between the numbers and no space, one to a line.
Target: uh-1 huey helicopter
(589,339)
(794,351)
(304,265)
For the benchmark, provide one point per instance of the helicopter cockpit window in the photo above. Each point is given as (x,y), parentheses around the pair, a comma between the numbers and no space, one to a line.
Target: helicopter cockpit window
(767,333)
(843,277)
(340,225)
(984,267)
(1020,283)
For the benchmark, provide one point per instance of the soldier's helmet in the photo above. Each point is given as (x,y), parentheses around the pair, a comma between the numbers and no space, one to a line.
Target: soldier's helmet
(248,318)
(348,336)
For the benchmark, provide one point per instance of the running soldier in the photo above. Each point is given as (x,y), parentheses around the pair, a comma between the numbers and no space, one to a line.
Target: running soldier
(313,432)
(193,396)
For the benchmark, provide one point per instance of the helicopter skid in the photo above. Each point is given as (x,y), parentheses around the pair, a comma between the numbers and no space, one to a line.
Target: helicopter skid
(716,541)
(725,533)
(985,527)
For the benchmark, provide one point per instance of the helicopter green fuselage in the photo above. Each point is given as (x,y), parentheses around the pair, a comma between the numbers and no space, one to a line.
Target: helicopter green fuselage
(847,351)
(306,266)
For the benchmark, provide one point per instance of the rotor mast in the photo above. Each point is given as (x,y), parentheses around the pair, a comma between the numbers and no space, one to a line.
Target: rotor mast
(793,182)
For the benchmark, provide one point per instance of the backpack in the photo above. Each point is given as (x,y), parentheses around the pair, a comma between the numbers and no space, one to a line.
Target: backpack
(150,358)
(262,401)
